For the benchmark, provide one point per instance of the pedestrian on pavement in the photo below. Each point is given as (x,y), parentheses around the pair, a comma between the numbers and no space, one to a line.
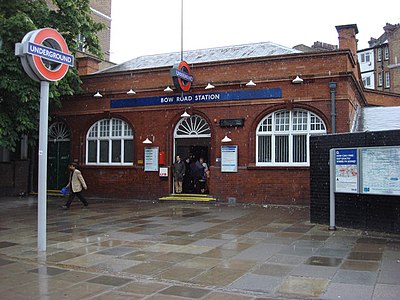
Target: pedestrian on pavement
(76,184)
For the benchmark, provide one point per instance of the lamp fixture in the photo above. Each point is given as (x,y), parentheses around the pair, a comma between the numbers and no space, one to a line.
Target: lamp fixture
(226,139)
(147,141)
(98,95)
(131,92)
(297,80)
(168,89)
(185,114)
(251,83)
(209,86)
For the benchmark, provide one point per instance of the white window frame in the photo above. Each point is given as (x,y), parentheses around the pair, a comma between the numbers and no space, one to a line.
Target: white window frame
(387,80)
(290,129)
(103,130)
(380,79)
(379,54)
(367,57)
(386,53)
(81,42)
(367,81)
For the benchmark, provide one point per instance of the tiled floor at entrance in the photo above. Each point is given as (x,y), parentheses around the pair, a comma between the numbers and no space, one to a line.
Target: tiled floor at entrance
(121,249)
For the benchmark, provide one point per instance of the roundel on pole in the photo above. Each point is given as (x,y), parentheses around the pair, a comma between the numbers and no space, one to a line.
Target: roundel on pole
(182,77)
(44,55)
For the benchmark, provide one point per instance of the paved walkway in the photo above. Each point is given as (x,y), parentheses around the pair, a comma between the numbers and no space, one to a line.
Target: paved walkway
(120,249)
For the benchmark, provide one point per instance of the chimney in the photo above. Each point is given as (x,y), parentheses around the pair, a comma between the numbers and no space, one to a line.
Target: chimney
(347,37)
(87,65)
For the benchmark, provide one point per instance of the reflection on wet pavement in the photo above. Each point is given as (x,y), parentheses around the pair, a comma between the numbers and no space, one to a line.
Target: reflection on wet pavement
(121,249)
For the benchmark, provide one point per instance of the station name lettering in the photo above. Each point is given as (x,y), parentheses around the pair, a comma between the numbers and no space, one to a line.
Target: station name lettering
(190,98)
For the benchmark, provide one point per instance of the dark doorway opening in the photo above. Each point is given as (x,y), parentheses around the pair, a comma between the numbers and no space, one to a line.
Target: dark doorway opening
(57,164)
(191,150)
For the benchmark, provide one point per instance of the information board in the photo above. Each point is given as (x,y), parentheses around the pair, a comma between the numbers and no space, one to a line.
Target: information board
(229,158)
(381,170)
(151,159)
(346,171)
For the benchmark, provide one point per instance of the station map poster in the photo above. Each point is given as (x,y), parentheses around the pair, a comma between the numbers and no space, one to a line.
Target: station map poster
(229,158)
(381,170)
(151,159)
(346,170)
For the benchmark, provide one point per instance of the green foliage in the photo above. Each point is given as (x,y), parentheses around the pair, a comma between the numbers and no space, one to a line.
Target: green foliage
(19,95)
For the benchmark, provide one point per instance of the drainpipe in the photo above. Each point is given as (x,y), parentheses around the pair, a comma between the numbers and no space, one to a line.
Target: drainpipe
(332,88)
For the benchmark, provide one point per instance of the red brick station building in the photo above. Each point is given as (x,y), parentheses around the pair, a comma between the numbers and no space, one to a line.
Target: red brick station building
(266,98)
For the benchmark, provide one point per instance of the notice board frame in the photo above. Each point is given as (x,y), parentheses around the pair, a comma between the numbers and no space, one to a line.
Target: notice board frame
(363,162)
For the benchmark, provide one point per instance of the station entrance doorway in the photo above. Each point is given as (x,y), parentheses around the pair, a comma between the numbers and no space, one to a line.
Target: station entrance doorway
(58,156)
(192,139)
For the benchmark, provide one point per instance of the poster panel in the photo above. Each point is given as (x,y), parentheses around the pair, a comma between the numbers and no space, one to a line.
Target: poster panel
(151,159)
(346,171)
(380,170)
(229,158)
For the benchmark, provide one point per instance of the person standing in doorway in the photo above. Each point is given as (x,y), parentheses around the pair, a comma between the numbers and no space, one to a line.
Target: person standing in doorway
(188,178)
(205,175)
(76,184)
(179,169)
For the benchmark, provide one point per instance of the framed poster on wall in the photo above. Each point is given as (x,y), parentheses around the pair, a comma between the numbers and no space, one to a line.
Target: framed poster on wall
(346,171)
(381,170)
(151,159)
(229,158)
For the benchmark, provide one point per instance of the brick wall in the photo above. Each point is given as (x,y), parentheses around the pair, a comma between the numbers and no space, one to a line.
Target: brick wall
(251,184)
(369,212)
(14,177)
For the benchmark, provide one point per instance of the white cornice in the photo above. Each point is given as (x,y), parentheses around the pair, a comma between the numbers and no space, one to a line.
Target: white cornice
(100,14)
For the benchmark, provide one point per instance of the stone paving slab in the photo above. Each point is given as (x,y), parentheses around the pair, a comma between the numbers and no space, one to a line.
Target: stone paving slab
(127,249)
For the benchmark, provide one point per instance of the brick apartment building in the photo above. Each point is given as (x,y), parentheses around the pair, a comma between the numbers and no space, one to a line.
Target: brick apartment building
(380,63)
(101,13)
(266,98)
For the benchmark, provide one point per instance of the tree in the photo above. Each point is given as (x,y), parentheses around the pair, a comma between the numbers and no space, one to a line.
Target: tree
(19,95)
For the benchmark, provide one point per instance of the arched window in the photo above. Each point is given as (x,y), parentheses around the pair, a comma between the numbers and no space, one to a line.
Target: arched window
(283,137)
(109,142)
(191,127)
(58,131)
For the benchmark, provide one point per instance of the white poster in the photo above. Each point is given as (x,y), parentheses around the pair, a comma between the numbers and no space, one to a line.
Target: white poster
(229,158)
(346,169)
(151,159)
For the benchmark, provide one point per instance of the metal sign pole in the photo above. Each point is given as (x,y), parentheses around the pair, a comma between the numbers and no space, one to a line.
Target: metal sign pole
(42,176)
(33,54)
(332,213)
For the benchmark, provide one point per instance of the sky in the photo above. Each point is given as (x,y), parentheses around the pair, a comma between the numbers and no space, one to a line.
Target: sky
(145,27)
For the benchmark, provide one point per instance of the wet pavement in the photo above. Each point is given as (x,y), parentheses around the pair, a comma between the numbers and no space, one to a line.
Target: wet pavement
(125,249)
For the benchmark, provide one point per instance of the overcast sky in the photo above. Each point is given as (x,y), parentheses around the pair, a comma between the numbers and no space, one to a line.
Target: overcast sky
(144,27)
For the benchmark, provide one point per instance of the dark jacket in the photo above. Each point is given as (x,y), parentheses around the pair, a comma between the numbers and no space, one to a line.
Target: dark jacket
(179,169)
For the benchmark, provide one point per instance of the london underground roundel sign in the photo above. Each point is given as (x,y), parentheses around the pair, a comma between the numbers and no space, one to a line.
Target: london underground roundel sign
(181,76)
(44,55)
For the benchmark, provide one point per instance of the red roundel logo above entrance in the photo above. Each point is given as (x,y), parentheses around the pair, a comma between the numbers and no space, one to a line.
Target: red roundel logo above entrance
(182,77)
